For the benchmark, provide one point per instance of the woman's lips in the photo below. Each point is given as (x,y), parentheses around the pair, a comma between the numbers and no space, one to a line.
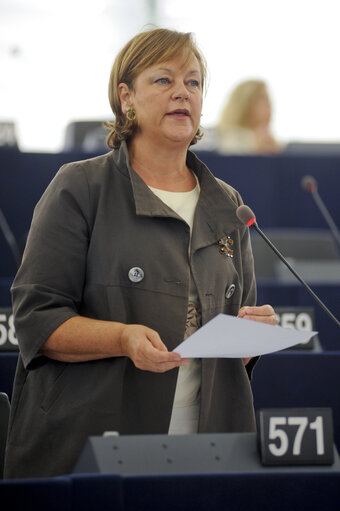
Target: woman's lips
(179,112)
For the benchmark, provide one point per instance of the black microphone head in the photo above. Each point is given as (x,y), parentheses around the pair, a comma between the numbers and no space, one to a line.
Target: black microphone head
(246,215)
(309,184)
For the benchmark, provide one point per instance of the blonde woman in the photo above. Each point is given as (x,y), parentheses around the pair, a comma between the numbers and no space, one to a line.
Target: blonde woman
(244,125)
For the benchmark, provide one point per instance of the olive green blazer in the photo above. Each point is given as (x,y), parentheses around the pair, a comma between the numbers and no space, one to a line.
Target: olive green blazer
(96,221)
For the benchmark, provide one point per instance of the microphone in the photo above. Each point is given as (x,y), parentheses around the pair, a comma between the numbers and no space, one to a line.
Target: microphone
(310,186)
(247,217)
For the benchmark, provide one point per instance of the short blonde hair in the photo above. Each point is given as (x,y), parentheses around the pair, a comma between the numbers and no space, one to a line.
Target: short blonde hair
(146,49)
(236,108)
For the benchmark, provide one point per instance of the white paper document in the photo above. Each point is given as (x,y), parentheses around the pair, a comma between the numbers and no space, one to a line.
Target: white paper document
(231,337)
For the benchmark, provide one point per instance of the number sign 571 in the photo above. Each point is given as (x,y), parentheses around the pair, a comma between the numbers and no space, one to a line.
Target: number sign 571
(276,432)
(296,436)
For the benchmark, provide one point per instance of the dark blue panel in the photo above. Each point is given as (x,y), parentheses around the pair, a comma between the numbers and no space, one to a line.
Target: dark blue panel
(8,364)
(271,186)
(235,492)
(97,492)
(296,295)
(5,294)
(53,494)
(284,380)
(230,492)
(23,179)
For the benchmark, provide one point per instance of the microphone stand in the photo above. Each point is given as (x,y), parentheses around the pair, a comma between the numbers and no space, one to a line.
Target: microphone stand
(325,213)
(300,279)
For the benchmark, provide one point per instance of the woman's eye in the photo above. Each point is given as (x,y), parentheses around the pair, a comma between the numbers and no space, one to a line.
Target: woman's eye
(163,81)
(194,83)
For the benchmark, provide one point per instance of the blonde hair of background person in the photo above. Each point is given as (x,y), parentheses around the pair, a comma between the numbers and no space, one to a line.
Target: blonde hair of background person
(132,60)
(244,124)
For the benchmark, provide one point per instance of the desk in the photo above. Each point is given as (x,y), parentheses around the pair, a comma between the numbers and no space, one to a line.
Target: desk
(272,491)
(280,380)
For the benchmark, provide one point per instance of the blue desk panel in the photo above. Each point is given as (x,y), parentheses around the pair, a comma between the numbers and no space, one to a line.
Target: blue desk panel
(223,492)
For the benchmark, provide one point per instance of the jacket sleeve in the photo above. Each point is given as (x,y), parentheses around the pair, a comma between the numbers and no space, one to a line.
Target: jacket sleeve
(47,289)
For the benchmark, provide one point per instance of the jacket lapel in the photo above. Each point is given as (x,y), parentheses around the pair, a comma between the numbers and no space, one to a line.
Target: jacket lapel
(215,214)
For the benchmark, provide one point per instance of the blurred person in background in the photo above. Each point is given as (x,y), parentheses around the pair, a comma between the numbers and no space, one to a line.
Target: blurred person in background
(244,124)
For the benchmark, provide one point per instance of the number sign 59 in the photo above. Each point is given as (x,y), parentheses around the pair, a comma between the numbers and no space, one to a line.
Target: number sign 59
(296,436)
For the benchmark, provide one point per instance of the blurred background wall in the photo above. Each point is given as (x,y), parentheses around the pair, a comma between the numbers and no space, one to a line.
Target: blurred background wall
(55,59)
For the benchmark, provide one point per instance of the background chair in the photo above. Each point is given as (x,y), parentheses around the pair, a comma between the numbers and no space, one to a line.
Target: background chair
(8,136)
(316,148)
(312,252)
(87,136)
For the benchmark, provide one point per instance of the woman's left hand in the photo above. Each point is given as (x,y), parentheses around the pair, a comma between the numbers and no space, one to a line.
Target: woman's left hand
(262,313)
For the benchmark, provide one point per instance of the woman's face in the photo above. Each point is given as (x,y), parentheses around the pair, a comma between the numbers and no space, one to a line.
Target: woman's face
(260,109)
(167,98)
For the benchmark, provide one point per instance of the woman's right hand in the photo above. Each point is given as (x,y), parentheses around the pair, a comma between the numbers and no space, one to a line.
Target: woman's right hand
(147,351)
(81,339)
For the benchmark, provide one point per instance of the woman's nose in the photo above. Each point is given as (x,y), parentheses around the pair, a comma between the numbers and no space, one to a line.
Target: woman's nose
(180,91)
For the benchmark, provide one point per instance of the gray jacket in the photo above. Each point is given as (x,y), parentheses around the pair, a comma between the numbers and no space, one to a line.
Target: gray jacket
(96,220)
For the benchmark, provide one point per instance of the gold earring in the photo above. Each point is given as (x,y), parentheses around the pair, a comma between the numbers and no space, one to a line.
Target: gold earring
(131,113)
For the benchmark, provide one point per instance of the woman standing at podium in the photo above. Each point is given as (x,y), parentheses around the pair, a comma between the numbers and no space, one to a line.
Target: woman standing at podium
(128,253)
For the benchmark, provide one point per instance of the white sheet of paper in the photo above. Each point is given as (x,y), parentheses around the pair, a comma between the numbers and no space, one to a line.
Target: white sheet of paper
(231,337)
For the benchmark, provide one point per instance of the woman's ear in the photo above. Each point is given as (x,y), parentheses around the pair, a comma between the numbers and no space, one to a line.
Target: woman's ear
(125,96)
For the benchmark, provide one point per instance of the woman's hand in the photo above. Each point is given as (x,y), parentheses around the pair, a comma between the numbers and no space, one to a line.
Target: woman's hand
(147,351)
(81,339)
(263,314)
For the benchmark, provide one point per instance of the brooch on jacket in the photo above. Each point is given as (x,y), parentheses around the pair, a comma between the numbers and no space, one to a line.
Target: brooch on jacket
(226,244)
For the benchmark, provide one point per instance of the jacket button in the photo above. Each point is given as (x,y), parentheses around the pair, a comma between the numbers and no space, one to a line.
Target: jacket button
(230,291)
(136,274)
